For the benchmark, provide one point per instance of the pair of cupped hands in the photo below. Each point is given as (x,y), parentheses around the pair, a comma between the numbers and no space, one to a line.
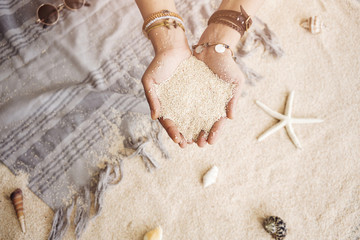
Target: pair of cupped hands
(171,48)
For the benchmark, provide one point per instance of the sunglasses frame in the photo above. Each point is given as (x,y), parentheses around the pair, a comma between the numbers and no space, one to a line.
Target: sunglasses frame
(58,8)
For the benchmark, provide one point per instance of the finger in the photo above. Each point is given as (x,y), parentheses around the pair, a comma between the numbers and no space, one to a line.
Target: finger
(230,107)
(149,88)
(183,142)
(172,130)
(201,141)
(215,131)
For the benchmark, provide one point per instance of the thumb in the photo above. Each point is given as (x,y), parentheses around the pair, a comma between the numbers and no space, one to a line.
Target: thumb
(151,96)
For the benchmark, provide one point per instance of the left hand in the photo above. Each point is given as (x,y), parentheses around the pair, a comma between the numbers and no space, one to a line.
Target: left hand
(223,65)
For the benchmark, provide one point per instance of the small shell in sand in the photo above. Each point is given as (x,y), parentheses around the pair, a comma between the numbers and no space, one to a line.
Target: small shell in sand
(17,199)
(210,176)
(155,234)
(314,24)
(276,227)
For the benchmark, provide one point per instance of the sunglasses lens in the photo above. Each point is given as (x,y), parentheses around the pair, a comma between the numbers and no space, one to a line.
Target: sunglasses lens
(48,14)
(74,4)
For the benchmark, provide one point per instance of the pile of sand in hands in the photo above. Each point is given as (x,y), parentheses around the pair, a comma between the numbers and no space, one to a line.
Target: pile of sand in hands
(194,98)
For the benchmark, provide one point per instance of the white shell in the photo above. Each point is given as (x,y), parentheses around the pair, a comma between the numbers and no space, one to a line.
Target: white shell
(220,48)
(314,24)
(199,49)
(210,177)
(155,234)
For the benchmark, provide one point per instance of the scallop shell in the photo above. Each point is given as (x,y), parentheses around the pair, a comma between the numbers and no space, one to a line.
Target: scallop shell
(314,24)
(210,176)
(276,227)
(155,234)
(17,200)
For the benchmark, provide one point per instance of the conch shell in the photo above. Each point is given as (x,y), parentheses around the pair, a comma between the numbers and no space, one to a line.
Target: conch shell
(155,234)
(17,200)
(314,24)
(210,177)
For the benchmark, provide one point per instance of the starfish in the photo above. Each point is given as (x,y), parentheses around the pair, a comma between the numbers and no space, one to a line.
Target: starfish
(285,120)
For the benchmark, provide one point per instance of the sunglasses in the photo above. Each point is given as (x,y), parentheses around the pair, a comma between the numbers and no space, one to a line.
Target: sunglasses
(48,14)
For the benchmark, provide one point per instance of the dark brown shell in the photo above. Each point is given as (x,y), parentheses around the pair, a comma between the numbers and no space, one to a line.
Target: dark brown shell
(276,227)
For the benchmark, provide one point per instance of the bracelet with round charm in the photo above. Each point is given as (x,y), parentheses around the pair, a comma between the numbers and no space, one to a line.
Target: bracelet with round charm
(219,48)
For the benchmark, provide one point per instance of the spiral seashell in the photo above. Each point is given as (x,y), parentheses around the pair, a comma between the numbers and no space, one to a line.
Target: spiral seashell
(276,227)
(155,234)
(314,24)
(17,200)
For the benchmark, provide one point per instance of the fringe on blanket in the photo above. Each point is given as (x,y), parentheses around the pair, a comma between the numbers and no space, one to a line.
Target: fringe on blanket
(112,174)
(260,35)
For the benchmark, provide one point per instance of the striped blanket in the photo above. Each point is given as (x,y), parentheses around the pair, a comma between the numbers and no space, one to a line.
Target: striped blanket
(66,91)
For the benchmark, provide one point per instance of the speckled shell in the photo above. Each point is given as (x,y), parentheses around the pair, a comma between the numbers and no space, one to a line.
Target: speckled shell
(17,200)
(314,24)
(276,227)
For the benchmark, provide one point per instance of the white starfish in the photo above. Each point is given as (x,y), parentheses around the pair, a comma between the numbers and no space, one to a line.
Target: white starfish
(286,120)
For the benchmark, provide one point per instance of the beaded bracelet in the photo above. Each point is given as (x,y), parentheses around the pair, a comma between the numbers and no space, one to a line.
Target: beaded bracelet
(166,23)
(158,15)
(219,48)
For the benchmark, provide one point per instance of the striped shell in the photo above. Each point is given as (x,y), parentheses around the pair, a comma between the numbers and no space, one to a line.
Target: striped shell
(314,24)
(17,200)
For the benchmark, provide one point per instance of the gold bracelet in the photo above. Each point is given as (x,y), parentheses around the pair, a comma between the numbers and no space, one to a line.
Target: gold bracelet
(159,14)
(219,48)
(166,23)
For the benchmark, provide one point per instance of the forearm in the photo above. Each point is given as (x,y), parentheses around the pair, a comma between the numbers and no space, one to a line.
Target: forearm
(250,6)
(147,7)
(220,33)
(162,38)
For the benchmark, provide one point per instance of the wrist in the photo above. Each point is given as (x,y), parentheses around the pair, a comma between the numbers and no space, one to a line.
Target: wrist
(165,39)
(219,33)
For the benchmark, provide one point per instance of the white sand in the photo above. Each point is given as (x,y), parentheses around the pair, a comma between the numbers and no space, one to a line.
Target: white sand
(315,190)
(194,98)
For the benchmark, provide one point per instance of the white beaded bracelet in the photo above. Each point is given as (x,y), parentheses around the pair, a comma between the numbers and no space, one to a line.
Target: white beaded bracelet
(163,17)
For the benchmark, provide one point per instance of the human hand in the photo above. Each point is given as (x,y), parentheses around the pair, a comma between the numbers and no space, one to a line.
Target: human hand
(223,65)
(171,48)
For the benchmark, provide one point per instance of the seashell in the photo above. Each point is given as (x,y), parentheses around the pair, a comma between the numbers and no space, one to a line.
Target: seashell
(276,227)
(314,24)
(155,234)
(17,199)
(210,176)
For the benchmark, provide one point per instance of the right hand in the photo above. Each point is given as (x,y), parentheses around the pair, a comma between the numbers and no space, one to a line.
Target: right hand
(171,48)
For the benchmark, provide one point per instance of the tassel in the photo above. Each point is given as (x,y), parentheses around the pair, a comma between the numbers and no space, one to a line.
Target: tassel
(261,35)
(17,200)
(156,136)
(61,222)
(111,175)
(83,205)
(147,158)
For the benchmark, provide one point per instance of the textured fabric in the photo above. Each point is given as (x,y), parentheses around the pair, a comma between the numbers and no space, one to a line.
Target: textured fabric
(62,89)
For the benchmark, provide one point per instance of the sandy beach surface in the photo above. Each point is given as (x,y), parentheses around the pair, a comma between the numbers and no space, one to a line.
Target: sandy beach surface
(316,190)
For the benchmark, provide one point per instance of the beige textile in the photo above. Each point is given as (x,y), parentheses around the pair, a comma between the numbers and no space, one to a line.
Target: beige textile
(316,191)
